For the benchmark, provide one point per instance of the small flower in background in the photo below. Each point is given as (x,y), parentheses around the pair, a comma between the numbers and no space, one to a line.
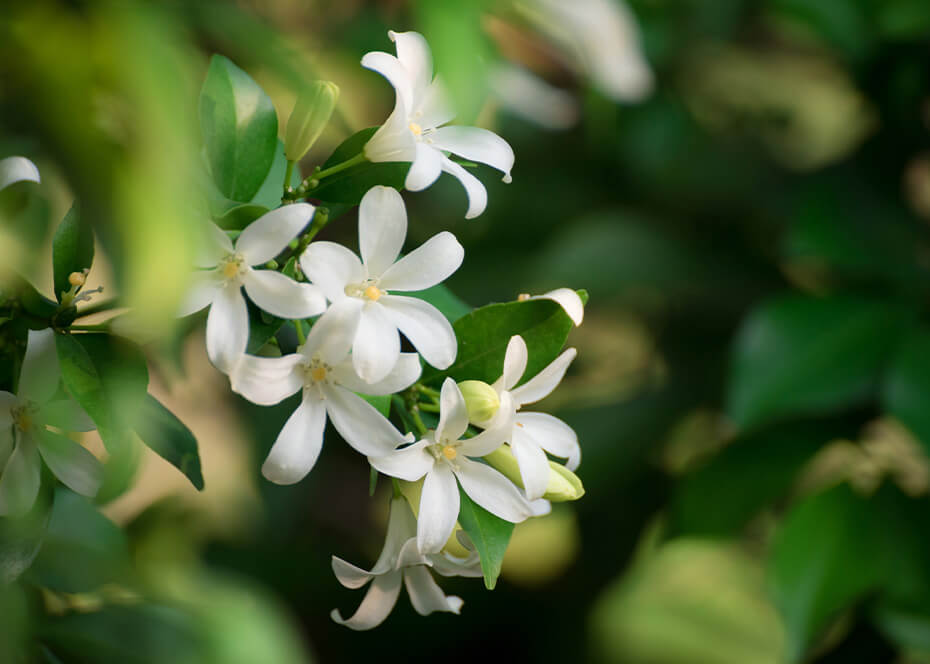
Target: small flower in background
(414,131)
(231,268)
(365,286)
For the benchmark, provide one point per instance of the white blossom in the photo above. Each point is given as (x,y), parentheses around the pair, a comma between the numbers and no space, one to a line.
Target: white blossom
(368,286)
(566,298)
(414,131)
(17,169)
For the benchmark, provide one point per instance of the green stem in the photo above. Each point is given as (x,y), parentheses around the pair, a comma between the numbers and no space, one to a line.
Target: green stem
(299,326)
(332,170)
(417,420)
(288,172)
(97,307)
(99,327)
(428,391)
(428,407)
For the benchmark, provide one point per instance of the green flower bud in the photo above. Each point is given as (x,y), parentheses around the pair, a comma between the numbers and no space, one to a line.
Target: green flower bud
(481,401)
(563,486)
(308,119)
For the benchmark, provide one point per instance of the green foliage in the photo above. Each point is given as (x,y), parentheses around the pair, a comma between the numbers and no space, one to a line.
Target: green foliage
(22,537)
(269,194)
(907,383)
(72,249)
(350,185)
(168,437)
(490,535)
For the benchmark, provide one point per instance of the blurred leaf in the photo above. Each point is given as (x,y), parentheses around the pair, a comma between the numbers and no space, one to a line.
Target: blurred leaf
(840,23)
(449,304)
(15,626)
(350,185)
(262,327)
(24,223)
(800,355)
(907,385)
(33,302)
(240,129)
(269,194)
(72,249)
(22,537)
(490,535)
(483,336)
(821,563)
(168,437)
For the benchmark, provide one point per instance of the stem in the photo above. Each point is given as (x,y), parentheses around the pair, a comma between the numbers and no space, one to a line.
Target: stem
(299,326)
(417,420)
(99,327)
(428,407)
(97,307)
(332,170)
(428,391)
(288,172)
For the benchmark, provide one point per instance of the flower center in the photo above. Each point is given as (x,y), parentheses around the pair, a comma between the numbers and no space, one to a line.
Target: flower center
(367,290)
(415,129)
(316,371)
(449,452)
(23,418)
(231,266)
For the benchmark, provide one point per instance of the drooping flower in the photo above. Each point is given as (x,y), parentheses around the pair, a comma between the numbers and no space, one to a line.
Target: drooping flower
(322,369)
(367,286)
(17,169)
(442,456)
(414,131)
(401,562)
(25,438)
(231,268)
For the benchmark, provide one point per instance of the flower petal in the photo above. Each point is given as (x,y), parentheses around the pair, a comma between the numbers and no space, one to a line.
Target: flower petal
(435,109)
(331,335)
(19,481)
(360,424)
(439,509)
(298,445)
(379,600)
(427,329)
(414,54)
(394,71)
(553,435)
(281,296)
(426,167)
(495,435)
(568,299)
(67,415)
(453,414)
(17,169)
(205,285)
(268,236)
(443,564)
(267,380)
(401,528)
(8,402)
(6,445)
(214,246)
(514,364)
(534,466)
(492,491)
(427,265)
(477,194)
(227,328)
(382,228)
(332,267)
(73,464)
(542,384)
(426,595)
(376,347)
(349,575)
(409,464)
(540,507)
(40,371)
(393,141)
(476,144)
(402,376)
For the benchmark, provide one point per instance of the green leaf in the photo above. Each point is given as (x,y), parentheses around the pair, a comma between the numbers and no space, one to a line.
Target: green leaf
(907,385)
(801,355)
(261,328)
(238,217)
(72,249)
(22,537)
(483,336)
(382,403)
(822,561)
(167,436)
(269,194)
(449,304)
(240,129)
(350,185)
(490,535)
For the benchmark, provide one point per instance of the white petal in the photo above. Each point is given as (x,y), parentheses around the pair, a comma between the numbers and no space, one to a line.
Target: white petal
(408,464)
(6,445)
(227,328)
(8,401)
(403,375)
(19,481)
(435,109)
(17,169)
(393,141)
(477,194)
(332,267)
(67,415)
(453,414)
(426,167)
(267,380)
(281,296)
(540,507)
(492,491)
(382,228)
(376,347)
(476,144)
(426,595)
(439,509)
(409,553)
(553,435)
(568,299)
(349,575)
(379,600)
(514,364)
(40,371)
(331,335)
(204,288)
(214,246)
(394,71)
(427,265)
(443,564)
(269,235)
(534,466)
(414,54)
(427,329)
(73,464)
(298,445)
(542,384)
(360,424)
(401,528)
(495,435)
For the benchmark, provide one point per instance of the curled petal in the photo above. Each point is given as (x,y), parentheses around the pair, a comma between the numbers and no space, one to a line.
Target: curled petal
(403,375)
(376,347)
(268,236)
(402,527)
(427,329)
(17,169)
(414,54)
(409,464)
(19,479)
(439,509)
(376,607)
(568,299)
(542,384)
(382,228)
(534,466)
(476,144)
(360,424)
(553,435)
(426,168)
(394,71)
(332,267)
(426,595)
(73,464)
(427,265)
(514,364)
(227,328)
(281,296)
(349,575)
(492,491)
(477,194)
(267,380)
(453,414)
(298,445)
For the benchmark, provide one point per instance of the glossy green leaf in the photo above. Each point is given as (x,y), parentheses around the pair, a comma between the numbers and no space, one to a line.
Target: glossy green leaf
(238,217)
(907,385)
(269,194)
(72,249)
(484,333)
(490,535)
(240,129)
(449,304)
(350,185)
(168,437)
(800,355)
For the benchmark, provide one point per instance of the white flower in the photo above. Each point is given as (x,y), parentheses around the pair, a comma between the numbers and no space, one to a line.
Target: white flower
(365,286)
(566,298)
(400,561)
(220,288)
(443,457)
(533,434)
(17,169)
(24,437)
(323,370)
(414,130)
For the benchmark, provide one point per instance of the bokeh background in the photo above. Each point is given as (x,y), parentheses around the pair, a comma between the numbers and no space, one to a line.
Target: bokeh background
(742,186)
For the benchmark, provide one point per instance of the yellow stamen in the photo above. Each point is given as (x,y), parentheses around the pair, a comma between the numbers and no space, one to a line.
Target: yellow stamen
(231,269)
(318,373)
(523,297)
(520,425)
(76,278)
(373,293)
(24,421)
(415,128)
(449,452)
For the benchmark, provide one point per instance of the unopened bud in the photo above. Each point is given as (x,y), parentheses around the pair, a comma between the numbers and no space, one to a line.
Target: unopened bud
(310,116)
(563,485)
(76,278)
(481,400)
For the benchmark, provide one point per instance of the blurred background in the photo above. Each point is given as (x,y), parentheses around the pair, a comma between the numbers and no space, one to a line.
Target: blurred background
(743,187)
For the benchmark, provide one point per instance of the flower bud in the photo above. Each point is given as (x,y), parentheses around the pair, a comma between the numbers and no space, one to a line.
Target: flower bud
(563,485)
(481,400)
(308,119)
